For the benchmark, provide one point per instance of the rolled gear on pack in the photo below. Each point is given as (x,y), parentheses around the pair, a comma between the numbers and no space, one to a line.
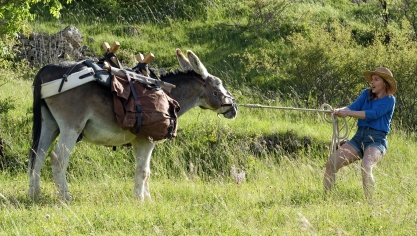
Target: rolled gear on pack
(102,75)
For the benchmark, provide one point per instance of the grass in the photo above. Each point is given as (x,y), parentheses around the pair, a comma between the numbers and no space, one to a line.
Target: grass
(277,198)
(282,193)
(281,200)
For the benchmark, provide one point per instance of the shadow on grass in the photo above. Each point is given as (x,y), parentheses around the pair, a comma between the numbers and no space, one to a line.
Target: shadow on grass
(22,201)
(346,195)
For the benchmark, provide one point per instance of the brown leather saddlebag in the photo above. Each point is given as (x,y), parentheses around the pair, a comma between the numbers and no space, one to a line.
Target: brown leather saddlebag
(159,112)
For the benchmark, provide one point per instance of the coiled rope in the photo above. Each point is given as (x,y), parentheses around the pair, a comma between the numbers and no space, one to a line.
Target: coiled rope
(325,109)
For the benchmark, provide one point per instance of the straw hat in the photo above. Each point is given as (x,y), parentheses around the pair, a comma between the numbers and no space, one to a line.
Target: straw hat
(384,73)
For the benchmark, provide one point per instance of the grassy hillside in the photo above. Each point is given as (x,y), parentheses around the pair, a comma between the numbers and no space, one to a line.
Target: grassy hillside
(278,53)
(281,194)
(319,47)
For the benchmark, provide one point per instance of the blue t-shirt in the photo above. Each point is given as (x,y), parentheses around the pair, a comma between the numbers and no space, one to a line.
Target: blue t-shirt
(378,113)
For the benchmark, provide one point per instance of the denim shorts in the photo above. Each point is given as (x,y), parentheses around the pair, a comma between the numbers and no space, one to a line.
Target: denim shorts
(368,137)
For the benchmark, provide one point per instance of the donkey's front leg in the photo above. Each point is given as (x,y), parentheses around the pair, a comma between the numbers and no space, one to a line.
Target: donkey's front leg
(60,160)
(142,150)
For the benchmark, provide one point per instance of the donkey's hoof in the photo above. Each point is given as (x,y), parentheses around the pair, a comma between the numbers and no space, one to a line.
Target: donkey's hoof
(148,197)
(140,198)
(34,193)
(143,198)
(66,196)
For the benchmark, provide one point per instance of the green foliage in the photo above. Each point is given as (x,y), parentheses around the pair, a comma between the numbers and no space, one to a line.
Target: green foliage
(328,67)
(6,104)
(278,53)
(6,51)
(133,12)
(266,15)
(15,14)
(301,53)
(325,64)
(408,8)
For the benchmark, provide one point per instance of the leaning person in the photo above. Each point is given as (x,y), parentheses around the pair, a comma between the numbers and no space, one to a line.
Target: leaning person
(373,109)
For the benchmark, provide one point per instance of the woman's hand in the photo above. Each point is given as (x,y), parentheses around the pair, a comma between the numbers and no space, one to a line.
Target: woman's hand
(341,112)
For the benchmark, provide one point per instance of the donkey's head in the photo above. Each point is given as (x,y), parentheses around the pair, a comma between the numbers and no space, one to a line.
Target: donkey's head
(216,97)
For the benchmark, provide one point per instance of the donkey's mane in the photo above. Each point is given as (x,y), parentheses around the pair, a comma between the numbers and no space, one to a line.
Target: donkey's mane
(177,76)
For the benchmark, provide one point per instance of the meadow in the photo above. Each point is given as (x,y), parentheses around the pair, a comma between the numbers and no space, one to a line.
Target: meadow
(282,152)
(281,194)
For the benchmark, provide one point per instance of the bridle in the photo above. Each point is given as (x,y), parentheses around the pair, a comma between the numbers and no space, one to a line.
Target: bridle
(227,99)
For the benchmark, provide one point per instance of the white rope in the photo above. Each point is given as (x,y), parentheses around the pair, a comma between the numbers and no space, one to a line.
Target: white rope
(325,109)
(336,137)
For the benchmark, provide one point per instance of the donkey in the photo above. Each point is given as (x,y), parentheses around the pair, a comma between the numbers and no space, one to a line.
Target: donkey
(87,110)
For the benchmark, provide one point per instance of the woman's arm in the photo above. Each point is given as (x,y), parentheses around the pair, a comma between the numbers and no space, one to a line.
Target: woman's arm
(345,111)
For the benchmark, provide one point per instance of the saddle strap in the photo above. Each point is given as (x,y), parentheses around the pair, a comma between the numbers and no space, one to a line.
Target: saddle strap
(138,108)
(109,55)
(65,76)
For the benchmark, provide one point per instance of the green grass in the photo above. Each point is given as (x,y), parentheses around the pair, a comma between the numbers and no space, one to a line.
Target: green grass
(280,200)
(282,193)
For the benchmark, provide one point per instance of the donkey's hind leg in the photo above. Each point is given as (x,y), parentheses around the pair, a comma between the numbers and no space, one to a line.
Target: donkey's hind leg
(49,133)
(60,160)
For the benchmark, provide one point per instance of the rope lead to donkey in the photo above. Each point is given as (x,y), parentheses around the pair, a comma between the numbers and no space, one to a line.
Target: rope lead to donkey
(325,109)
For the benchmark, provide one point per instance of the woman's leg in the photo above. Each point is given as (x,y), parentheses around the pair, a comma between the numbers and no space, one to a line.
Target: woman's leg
(345,155)
(371,157)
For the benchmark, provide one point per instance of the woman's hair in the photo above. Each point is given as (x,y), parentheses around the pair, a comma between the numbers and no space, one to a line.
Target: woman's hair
(373,95)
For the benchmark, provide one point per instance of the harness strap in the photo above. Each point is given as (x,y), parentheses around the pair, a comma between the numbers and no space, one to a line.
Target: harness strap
(86,75)
(65,76)
(110,55)
(135,96)
(216,92)
(172,118)
(139,67)
(97,69)
(138,108)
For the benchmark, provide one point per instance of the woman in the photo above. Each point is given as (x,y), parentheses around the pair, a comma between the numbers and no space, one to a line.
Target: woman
(373,109)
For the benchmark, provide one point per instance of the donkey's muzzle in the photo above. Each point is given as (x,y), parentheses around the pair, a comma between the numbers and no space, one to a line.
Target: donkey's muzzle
(232,112)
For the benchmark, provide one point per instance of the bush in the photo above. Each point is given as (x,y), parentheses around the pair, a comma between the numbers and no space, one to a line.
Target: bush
(328,67)
(326,63)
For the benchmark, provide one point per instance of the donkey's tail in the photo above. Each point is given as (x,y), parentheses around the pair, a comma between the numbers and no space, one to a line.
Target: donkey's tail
(37,119)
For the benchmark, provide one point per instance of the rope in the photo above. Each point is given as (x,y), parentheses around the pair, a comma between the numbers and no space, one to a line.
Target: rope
(336,137)
(325,109)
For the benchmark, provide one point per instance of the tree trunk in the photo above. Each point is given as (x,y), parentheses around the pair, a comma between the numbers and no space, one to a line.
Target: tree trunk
(2,158)
(1,147)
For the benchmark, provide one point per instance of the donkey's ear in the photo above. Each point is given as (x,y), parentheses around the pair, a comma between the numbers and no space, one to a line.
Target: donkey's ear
(183,61)
(197,65)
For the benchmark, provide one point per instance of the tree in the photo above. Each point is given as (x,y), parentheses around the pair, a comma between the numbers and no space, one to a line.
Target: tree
(409,8)
(15,14)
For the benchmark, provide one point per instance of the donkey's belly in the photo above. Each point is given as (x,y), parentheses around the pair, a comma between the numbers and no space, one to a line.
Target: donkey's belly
(89,108)
(106,135)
